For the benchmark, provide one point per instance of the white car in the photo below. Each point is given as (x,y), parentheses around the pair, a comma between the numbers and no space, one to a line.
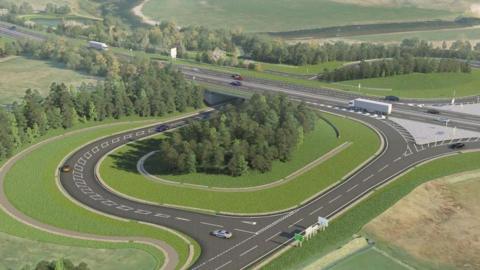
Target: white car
(222,234)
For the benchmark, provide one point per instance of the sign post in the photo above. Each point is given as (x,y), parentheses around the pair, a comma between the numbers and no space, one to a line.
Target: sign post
(299,238)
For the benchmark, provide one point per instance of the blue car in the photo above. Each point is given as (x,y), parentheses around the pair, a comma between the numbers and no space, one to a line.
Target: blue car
(161,128)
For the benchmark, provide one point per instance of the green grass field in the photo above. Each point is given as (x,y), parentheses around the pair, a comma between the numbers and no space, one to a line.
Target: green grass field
(342,228)
(18,252)
(472,34)
(30,186)
(301,70)
(284,15)
(365,144)
(315,145)
(370,259)
(80,7)
(417,85)
(16,76)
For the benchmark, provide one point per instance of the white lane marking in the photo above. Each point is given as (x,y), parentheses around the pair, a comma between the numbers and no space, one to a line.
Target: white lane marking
(247,251)
(223,265)
(368,178)
(211,224)
(316,210)
(161,215)
(334,199)
(250,222)
(240,230)
(350,189)
(296,222)
(273,236)
(383,168)
(184,219)
(397,159)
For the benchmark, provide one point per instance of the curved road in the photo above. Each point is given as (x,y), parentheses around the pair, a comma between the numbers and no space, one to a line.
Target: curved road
(256,236)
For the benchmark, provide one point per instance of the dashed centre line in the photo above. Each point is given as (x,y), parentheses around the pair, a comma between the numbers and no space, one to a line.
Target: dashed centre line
(397,159)
(247,251)
(211,224)
(316,210)
(273,236)
(184,219)
(240,230)
(383,168)
(223,265)
(296,222)
(334,199)
(350,189)
(368,178)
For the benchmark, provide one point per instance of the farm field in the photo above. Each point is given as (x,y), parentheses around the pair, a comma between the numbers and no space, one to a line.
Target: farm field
(365,143)
(433,227)
(35,175)
(16,74)
(417,85)
(80,7)
(370,259)
(285,15)
(436,36)
(316,144)
(343,227)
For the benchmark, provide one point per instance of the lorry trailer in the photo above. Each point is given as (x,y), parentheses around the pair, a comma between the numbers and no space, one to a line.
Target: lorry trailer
(98,45)
(371,106)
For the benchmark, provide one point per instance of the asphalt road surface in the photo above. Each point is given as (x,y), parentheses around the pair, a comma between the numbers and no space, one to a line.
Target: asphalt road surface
(255,236)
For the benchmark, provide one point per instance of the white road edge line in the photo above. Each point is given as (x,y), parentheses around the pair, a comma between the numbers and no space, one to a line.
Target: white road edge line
(211,224)
(247,251)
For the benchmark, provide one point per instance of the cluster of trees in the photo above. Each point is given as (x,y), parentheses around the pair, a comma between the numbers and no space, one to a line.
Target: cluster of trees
(143,89)
(14,8)
(247,135)
(60,10)
(396,66)
(63,264)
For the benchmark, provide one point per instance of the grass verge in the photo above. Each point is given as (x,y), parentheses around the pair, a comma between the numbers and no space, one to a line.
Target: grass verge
(342,228)
(30,186)
(365,143)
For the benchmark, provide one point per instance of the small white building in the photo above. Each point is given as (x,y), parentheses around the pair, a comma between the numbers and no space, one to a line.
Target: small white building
(3,11)
(98,45)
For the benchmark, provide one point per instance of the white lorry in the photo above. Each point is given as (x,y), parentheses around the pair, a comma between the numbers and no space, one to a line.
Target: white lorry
(98,45)
(371,106)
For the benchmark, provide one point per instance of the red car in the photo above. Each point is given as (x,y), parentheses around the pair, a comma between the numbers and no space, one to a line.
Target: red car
(237,77)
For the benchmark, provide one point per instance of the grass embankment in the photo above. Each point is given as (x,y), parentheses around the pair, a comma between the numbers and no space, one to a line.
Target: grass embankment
(301,70)
(315,145)
(16,76)
(30,186)
(365,144)
(272,15)
(417,85)
(342,228)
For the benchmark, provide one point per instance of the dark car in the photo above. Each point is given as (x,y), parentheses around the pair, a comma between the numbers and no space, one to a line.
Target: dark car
(457,145)
(433,111)
(66,168)
(13,27)
(392,98)
(237,77)
(162,128)
(236,83)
